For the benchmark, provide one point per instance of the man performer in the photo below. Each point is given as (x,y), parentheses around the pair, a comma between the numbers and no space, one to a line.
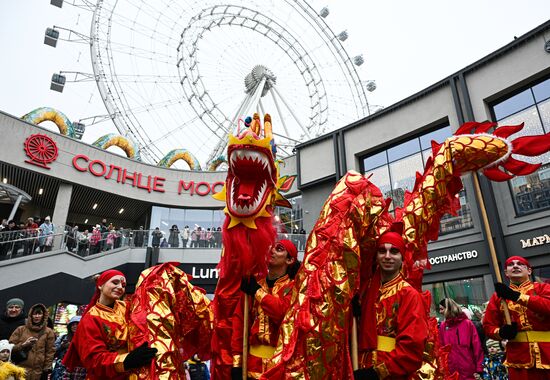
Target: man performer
(393,326)
(271,300)
(528,347)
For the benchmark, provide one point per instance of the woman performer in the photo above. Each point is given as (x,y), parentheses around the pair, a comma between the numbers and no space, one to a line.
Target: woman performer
(100,343)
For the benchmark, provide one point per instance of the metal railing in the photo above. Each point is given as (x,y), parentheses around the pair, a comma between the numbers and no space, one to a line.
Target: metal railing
(17,243)
(19,246)
(193,239)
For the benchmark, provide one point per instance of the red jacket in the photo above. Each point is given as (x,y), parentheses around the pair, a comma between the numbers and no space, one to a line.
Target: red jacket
(101,341)
(266,314)
(401,317)
(466,355)
(532,314)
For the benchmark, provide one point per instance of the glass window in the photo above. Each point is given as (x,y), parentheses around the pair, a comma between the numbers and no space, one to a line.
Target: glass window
(290,220)
(542,91)
(403,175)
(438,135)
(542,274)
(514,104)
(403,150)
(166,217)
(469,293)
(544,112)
(375,161)
(394,172)
(530,193)
(381,178)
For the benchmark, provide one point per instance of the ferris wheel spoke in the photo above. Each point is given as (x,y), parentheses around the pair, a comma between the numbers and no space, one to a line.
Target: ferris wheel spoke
(185,64)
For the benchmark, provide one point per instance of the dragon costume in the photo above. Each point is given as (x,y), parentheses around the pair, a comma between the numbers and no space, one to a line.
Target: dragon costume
(251,191)
(339,254)
(314,338)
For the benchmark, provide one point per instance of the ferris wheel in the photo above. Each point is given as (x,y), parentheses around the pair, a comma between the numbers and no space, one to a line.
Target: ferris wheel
(180,74)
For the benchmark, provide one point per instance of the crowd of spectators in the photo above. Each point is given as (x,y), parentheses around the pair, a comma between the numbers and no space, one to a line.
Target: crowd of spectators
(36,235)
(25,238)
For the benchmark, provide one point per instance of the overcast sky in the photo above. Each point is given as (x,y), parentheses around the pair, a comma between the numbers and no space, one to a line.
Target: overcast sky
(407,46)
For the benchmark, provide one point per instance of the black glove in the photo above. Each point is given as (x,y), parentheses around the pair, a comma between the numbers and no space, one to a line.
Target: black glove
(365,374)
(139,357)
(356,306)
(508,331)
(237,373)
(504,291)
(249,285)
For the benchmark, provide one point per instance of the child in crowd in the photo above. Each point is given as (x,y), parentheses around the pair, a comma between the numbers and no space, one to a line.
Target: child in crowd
(9,371)
(493,364)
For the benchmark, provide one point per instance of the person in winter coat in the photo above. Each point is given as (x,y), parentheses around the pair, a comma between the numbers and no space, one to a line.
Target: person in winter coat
(36,339)
(12,318)
(45,239)
(60,372)
(173,238)
(111,237)
(466,356)
(31,232)
(95,240)
(185,236)
(493,364)
(9,371)
(198,369)
(157,235)
(72,238)
(139,237)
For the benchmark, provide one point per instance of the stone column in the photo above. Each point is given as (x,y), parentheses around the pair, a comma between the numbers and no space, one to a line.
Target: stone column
(61,211)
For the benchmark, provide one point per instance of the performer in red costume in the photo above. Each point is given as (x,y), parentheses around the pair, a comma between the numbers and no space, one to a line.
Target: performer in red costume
(393,327)
(100,343)
(528,347)
(271,301)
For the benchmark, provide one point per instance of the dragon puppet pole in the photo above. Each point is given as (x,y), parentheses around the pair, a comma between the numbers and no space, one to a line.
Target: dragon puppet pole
(492,250)
(246,316)
(354,349)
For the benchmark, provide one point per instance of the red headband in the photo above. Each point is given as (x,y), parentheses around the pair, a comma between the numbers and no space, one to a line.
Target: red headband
(289,247)
(393,238)
(107,275)
(102,279)
(518,258)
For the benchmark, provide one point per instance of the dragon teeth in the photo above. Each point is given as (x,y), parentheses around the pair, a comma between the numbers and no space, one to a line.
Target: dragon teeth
(243,154)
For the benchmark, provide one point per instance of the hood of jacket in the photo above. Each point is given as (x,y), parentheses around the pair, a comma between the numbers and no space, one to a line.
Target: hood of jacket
(44,322)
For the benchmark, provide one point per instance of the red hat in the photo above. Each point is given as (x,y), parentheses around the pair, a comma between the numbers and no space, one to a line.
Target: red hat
(289,247)
(394,236)
(518,258)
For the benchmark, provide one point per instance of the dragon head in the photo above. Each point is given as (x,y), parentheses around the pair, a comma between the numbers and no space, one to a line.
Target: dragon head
(476,149)
(252,186)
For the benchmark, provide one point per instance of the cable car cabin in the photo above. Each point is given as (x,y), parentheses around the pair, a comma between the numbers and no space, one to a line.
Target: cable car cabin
(79,129)
(51,36)
(58,82)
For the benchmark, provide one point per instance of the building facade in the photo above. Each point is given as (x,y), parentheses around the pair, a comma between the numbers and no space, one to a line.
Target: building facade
(509,86)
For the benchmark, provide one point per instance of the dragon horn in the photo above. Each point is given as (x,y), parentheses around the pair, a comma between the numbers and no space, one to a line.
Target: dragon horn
(268,128)
(255,125)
